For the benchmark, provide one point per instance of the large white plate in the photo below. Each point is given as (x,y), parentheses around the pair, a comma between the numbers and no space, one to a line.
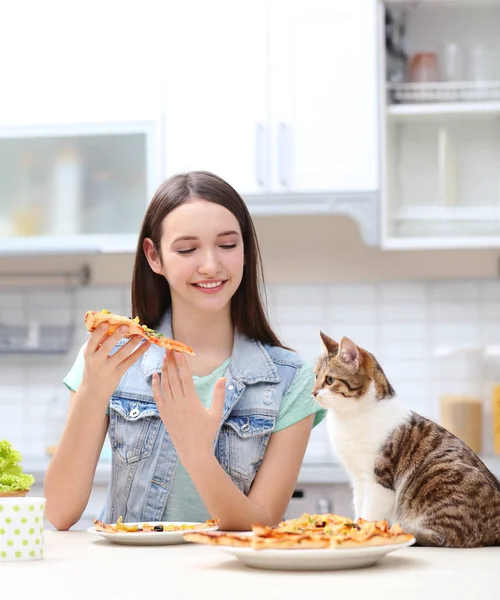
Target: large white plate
(151,538)
(313,560)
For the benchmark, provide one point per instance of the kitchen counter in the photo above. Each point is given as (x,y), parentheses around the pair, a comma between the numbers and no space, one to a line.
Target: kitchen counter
(77,562)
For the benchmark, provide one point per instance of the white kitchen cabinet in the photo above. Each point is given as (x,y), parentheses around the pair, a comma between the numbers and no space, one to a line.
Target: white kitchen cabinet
(79,62)
(276,96)
(214,73)
(441,137)
(323,96)
(75,188)
(279,98)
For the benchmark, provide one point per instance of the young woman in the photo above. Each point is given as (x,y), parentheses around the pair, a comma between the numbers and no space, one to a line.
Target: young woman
(221,434)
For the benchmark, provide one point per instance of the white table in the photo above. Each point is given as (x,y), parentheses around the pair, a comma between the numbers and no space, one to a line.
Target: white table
(80,565)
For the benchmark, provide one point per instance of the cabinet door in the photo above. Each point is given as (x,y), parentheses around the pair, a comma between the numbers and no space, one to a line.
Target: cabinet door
(79,62)
(215,90)
(324,95)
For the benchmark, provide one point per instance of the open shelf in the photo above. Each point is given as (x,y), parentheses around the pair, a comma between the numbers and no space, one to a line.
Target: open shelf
(457,242)
(431,4)
(441,140)
(427,110)
(448,213)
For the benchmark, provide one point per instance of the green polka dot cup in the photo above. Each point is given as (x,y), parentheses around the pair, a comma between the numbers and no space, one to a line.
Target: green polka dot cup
(21,528)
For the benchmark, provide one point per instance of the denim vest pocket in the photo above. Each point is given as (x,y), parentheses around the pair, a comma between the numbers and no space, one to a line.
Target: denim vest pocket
(242,444)
(133,428)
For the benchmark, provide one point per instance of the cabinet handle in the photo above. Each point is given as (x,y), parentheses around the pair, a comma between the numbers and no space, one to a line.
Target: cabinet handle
(259,154)
(283,153)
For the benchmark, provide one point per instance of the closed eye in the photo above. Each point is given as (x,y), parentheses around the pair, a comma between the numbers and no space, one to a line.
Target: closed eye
(191,250)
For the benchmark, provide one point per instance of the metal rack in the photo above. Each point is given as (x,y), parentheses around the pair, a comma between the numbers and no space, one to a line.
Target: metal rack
(39,338)
(444,91)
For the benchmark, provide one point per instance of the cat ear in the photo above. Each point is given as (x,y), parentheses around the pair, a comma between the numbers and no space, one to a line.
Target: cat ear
(330,345)
(349,352)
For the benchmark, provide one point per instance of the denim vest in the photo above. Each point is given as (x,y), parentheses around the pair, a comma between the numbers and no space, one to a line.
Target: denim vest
(144,458)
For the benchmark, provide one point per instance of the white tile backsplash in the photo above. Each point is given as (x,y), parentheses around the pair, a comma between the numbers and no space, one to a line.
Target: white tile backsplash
(490,310)
(453,291)
(489,291)
(400,323)
(403,293)
(409,310)
(351,293)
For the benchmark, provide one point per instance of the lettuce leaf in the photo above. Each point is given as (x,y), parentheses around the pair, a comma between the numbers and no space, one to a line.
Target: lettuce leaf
(12,477)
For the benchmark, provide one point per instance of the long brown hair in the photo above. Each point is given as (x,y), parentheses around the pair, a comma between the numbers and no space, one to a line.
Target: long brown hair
(151,292)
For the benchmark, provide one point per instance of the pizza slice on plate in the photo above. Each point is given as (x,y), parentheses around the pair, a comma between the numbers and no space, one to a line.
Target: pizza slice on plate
(311,532)
(121,527)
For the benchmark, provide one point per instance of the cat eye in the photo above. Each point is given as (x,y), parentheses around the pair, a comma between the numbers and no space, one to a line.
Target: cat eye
(329,380)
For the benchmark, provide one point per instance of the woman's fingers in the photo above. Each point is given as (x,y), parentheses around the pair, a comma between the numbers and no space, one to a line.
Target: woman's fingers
(171,375)
(166,387)
(108,344)
(184,372)
(128,361)
(101,340)
(127,348)
(97,337)
(157,392)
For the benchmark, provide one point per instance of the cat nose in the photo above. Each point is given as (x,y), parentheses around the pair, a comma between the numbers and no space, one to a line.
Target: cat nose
(315,393)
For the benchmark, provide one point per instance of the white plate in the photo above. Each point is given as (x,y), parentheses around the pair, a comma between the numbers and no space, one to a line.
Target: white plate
(151,538)
(313,560)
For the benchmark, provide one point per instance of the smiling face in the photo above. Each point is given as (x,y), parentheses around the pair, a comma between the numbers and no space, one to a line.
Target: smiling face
(202,255)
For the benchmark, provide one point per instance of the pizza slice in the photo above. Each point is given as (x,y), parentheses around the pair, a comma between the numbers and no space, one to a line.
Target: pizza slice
(100,526)
(121,527)
(309,532)
(94,318)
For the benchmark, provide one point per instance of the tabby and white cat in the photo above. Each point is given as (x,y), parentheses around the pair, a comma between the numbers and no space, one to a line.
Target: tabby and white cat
(403,467)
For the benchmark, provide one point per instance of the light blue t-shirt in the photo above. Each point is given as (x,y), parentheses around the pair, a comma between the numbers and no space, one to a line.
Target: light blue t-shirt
(184,502)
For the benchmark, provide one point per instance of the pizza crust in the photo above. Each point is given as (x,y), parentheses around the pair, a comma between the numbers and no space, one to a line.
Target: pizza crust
(289,542)
(220,538)
(376,540)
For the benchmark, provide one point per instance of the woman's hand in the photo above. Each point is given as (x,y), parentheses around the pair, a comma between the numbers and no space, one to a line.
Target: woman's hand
(191,427)
(102,372)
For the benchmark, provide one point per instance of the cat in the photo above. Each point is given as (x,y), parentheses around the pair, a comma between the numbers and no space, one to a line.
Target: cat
(403,467)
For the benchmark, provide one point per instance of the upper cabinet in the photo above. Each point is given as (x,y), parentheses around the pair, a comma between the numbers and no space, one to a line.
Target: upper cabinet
(79,62)
(75,188)
(103,100)
(441,124)
(277,96)
(214,74)
(323,91)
